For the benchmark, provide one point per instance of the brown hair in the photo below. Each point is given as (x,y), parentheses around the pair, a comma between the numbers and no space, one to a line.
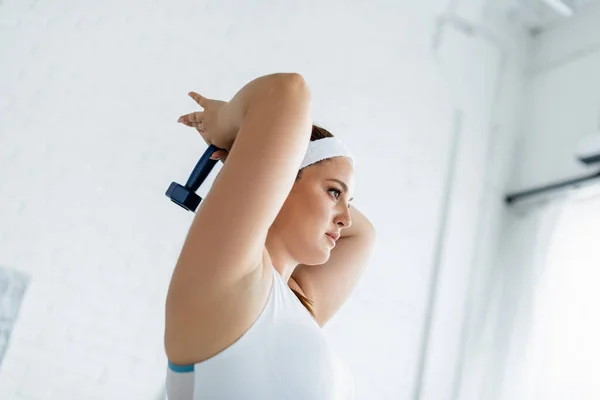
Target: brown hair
(317,133)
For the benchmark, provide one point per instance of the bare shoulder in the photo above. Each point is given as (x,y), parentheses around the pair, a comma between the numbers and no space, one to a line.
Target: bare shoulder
(224,316)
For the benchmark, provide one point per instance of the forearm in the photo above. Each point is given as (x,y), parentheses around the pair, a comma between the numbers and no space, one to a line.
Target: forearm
(360,225)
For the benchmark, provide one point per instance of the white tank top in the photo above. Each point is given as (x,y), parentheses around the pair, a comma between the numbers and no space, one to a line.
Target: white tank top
(282,356)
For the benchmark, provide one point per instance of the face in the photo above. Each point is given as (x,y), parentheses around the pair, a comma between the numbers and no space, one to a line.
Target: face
(316,205)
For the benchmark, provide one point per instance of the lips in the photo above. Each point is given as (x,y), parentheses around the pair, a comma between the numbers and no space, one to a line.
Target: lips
(334,235)
(331,240)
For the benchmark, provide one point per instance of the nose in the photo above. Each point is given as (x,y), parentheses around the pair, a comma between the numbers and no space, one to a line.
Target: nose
(344,219)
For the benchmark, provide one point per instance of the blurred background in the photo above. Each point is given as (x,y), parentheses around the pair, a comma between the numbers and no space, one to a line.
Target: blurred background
(450,106)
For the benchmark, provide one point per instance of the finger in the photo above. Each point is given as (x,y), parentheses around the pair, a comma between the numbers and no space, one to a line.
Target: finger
(194,119)
(201,100)
(219,155)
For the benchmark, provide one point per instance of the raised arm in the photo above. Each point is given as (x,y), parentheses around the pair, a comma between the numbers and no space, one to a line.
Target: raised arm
(227,236)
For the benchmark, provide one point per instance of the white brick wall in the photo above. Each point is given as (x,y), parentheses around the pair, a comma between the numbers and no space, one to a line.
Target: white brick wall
(89,96)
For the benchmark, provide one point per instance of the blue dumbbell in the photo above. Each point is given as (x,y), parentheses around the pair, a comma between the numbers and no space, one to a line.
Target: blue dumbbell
(185,196)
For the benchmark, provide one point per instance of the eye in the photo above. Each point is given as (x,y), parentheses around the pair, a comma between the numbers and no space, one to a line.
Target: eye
(336,191)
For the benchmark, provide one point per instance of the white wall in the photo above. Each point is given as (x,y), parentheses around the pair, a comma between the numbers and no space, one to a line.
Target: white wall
(561,105)
(489,81)
(564,101)
(89,143)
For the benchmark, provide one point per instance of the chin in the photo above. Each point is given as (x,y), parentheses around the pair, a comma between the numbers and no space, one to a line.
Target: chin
(312,252)
(318,257)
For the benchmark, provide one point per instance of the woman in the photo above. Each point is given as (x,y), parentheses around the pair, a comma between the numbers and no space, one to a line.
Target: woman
(271,255)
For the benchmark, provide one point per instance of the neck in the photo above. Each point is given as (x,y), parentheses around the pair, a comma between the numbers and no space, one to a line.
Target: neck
(280,258)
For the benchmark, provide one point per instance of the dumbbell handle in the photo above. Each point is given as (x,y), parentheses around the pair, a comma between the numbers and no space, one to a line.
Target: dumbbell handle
(186,196)
(202,169)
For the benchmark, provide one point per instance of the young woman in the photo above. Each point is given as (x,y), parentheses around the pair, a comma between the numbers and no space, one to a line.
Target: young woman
(273,252)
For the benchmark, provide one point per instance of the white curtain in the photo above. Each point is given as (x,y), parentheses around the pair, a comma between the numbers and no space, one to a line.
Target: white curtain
(547,328)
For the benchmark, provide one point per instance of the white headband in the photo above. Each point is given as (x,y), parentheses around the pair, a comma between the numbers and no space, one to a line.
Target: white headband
(322,149)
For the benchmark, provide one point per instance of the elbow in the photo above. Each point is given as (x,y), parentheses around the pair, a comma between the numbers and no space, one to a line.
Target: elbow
(295,79)
(292,82)
(292,78)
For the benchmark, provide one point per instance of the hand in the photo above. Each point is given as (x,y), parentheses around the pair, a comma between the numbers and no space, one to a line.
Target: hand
(211,125)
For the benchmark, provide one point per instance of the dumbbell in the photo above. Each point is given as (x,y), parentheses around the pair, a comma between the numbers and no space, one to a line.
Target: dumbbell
(185,196)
